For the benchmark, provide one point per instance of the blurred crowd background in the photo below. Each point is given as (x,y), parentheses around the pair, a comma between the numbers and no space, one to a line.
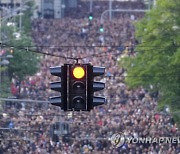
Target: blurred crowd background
(40,128)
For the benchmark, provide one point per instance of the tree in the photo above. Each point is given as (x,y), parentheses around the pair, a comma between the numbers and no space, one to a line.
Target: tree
(156,65)
(26,21)
(23,62)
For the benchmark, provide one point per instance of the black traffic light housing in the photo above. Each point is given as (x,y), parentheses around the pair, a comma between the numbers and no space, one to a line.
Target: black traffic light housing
(90,17)
(77,87)
(101,29)
(59,86)
(97,86)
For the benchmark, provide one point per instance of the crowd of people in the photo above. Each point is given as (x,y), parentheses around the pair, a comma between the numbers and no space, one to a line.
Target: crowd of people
(132,112)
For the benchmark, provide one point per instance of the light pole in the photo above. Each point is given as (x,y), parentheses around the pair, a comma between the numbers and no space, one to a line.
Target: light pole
(0,24)
(91,5)
(0,74)
(110,10)
(154,3)
(149,4)
(0,46)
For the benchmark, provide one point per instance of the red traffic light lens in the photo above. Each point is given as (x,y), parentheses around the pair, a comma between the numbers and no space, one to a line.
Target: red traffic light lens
(78,72)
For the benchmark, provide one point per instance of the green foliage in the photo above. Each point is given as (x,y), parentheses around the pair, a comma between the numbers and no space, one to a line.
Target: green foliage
(157,60)
(26,20)
(2,68)
(23,62)
(5,88)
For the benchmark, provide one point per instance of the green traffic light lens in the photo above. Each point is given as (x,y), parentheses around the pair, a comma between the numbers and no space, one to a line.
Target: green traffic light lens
(101,30)
(90,17)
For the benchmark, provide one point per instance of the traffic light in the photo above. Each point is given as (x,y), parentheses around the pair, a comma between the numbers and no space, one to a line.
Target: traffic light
(101,29)
(90,16)
(96,86)
(59,86)
(77,87)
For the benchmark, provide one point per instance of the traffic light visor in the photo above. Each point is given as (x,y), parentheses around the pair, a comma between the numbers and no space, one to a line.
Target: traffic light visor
(78,72)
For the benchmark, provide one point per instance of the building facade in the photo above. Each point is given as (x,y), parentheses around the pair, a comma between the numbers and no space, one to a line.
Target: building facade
(53,8)
(43,8)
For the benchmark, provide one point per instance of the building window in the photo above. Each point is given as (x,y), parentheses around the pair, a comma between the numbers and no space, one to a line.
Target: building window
(48,9)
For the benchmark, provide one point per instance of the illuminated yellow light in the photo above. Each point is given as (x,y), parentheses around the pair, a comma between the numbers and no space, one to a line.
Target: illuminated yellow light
(78,72)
